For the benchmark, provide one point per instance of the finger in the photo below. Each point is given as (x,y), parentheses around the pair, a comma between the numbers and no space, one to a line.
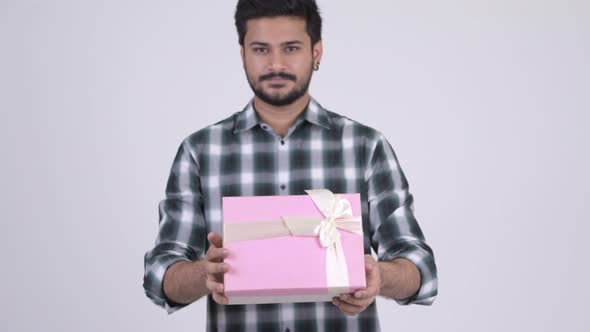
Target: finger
(373,283)
(348,298)
(370,264)
(216,268)
(347,308)
(214,254)
(373,279)
(339,302)
(214,287)
(216,277)
(360,294)
(215,240)
(366,293)
(219,298)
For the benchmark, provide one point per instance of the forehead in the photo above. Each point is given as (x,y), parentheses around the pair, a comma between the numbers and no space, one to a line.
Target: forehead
(275,30)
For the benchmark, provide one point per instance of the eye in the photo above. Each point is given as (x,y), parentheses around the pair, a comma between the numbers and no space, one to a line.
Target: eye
(292,49)
(260,50)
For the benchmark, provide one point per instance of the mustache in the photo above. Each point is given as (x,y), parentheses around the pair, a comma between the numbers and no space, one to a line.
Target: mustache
(286,76)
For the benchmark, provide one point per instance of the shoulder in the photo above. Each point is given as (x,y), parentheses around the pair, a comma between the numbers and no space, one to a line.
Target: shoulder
(209,135)
(344,124)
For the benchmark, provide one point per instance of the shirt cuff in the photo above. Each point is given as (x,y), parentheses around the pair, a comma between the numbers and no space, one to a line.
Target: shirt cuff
(153,283)
(424,261)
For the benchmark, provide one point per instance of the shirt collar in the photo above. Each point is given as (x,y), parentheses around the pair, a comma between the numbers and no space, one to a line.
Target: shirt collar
(314,113)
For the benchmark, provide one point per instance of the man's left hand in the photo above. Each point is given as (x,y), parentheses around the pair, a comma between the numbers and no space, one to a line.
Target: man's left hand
(353,304)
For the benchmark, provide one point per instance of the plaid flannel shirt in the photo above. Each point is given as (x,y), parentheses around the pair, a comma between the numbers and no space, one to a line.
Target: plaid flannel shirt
(242,156)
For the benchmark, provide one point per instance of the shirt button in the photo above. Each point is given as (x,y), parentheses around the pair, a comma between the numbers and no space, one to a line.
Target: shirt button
(282,142)
(265,127)
(283,187)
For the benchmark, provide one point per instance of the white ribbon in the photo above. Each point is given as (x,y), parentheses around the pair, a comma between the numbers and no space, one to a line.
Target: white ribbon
(337,215)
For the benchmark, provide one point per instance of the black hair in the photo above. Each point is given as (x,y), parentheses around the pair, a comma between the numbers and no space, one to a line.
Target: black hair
(306,9)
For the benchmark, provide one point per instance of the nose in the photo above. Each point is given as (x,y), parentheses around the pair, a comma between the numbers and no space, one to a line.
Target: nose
(277,61)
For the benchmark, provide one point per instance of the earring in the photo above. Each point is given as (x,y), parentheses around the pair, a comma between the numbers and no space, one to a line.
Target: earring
(316,66)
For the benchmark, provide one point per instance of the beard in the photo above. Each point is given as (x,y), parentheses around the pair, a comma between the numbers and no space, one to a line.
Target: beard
(278,99)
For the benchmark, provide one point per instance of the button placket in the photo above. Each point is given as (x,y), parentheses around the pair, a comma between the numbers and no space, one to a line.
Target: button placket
(283,166)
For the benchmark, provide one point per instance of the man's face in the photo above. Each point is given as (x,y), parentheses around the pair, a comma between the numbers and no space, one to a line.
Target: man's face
(278,58)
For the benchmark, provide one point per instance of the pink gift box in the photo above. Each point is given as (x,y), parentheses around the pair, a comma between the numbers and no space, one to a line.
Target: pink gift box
(286,268)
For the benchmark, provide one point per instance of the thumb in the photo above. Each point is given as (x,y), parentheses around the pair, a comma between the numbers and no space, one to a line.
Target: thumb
(369,263)
(215,240)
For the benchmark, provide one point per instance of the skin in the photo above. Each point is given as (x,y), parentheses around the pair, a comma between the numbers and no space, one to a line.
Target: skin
(279,45)
(271,46)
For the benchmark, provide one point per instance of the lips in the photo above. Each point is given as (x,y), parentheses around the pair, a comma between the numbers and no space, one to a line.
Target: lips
(277,80)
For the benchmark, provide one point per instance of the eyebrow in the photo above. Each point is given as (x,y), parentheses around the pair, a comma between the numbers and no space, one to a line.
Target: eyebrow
(291,42)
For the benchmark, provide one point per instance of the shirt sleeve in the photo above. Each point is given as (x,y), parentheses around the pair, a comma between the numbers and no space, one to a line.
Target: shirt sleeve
(395,232)
(182,229)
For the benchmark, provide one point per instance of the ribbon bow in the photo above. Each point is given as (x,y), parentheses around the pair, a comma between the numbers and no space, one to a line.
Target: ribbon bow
(337,213)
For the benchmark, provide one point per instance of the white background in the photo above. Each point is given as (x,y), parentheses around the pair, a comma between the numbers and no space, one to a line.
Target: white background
(485,102)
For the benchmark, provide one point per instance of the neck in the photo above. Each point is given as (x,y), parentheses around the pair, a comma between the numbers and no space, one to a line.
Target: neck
(280,118)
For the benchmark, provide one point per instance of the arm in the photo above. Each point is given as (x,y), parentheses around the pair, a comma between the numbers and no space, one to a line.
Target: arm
(406,271)
(181,236)
(186,282)
(405,258)
(400,279)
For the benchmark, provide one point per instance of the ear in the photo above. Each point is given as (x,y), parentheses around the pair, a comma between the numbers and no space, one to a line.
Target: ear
(318,50)
(242,52)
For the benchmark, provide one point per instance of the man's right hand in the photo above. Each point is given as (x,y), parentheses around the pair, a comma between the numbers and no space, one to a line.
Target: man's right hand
(215,268)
